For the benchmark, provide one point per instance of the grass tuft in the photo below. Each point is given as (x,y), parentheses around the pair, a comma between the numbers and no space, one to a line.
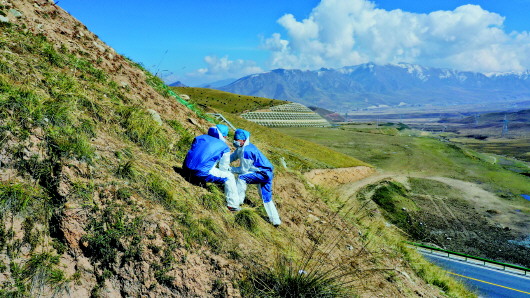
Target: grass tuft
(110,235)
(248,219)
(16,197)
(68,142)
(289,280)
(142,129)
(212,201)
(161,191)
(127,170)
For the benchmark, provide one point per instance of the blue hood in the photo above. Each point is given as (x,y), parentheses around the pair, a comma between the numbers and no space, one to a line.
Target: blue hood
(214,132)
(223,129)
(241,134)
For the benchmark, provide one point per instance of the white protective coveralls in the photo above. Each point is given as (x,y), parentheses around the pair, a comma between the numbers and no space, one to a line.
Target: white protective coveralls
(255,168)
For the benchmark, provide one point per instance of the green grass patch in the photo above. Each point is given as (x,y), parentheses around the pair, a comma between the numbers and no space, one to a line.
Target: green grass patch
(23,105)
(68,142)
(40,270)
(393,197)
(127,170)
(225,101)
(185,138)
(18,198)
(202,231)
(142,129)
(214,200)
(248,219)
(409,154)
(161,191)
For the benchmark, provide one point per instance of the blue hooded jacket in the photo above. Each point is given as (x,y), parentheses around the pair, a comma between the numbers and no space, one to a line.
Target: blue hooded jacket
(252,160)
(205,151)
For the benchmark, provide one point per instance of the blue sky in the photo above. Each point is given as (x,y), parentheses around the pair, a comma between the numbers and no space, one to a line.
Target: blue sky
(204,41)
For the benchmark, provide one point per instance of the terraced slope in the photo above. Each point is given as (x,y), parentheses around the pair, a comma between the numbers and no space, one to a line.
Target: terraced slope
(287,115)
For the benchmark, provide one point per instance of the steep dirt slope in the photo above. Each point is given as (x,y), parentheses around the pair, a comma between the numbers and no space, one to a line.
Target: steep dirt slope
(92,202)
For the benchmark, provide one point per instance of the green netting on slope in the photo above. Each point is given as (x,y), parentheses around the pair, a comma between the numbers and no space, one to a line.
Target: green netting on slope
(189,105)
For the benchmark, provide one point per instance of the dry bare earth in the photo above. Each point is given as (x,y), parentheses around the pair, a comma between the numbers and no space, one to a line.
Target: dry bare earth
(335,177)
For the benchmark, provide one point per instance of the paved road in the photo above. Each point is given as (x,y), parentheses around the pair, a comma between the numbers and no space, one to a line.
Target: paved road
(485,281)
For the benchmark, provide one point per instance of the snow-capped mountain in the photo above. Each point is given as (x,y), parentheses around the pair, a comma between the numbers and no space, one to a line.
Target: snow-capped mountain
(370,84)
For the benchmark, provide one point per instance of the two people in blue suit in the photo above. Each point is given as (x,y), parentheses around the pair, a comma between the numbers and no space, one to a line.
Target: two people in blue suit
(209,160)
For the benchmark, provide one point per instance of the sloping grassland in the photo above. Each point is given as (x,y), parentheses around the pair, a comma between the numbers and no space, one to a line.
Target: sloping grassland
(227,102)
(91,203)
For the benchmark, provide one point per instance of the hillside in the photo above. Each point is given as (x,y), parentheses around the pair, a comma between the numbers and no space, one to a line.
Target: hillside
(92,203)
(225,101)
(438,192)
(393,85)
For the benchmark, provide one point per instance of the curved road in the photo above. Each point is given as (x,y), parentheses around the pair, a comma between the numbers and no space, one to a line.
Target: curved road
(487,282)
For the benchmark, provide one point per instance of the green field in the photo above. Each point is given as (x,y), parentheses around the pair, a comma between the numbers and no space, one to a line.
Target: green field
(402,152)
(298,153)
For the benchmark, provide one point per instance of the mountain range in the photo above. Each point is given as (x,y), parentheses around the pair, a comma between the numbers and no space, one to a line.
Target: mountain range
(377,86)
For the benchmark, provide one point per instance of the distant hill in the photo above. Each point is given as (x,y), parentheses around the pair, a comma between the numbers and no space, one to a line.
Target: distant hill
(217,84)
(177,84)
(371,85)
(227,102)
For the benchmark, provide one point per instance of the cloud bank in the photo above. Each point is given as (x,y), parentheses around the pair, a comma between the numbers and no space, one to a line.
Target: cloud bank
(349,32)
(223,68)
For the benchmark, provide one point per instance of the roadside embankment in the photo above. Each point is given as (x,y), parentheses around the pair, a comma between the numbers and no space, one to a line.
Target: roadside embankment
(335,177)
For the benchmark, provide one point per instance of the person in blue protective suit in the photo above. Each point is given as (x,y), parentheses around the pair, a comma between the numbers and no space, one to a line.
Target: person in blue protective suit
(208,160)
(254,168)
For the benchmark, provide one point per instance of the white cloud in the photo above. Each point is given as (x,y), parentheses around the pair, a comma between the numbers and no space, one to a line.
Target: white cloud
(222,68)
(348,32)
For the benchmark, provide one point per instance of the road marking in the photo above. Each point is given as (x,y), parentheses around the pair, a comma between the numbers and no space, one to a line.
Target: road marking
(488,283)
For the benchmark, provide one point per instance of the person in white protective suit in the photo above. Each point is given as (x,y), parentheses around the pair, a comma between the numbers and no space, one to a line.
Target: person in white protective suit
(208,160)
(254,168)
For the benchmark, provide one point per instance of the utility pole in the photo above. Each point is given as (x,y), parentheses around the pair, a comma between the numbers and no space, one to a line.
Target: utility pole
(504,126)
(476,119)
